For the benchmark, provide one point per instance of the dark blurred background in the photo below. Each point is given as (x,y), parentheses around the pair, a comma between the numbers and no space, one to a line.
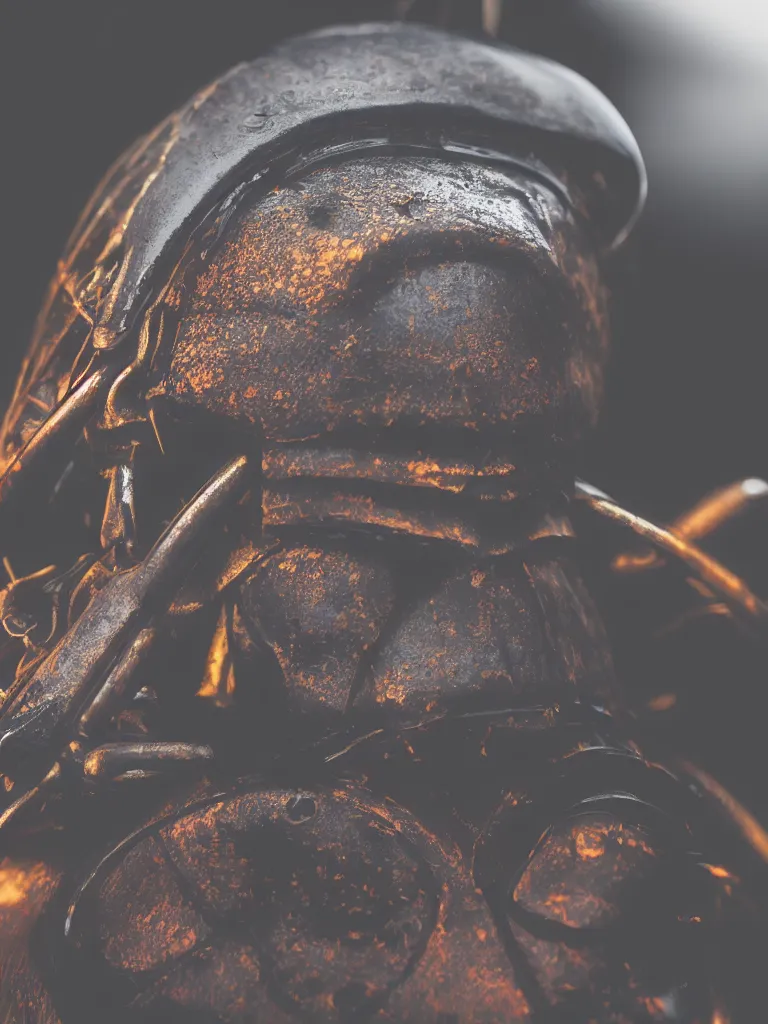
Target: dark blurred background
(686,408)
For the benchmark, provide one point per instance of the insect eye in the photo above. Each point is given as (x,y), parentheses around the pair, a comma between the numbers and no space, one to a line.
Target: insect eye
(602,891)
(263,883)
(592,871)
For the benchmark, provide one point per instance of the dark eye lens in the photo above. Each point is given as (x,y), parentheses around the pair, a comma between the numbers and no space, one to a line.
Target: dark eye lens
(301,809)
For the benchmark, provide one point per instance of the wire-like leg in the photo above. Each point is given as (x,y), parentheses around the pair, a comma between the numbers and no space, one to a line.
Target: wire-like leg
(704,519)
(750,829)
(41,715)
(50,446)
(746,607)
(113,763)
(32,794)
(122,682)
(492,12)
(118,528)
(123,762)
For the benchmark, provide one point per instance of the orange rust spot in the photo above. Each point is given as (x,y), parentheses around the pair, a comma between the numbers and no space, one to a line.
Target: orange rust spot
(717,871)
(218,684)
(18,882)
(589,844)
(663,702)
(656,1004)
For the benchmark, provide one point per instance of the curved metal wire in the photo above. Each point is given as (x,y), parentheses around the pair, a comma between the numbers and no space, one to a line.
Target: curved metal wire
(747,608)
(705,518)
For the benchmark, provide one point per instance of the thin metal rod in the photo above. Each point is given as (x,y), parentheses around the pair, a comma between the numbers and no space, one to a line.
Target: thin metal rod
(114,762)
(50,701)
(123,678)
(492,12)
(30,795)
(705,518)
(52,443)
(749,827)
(726,585)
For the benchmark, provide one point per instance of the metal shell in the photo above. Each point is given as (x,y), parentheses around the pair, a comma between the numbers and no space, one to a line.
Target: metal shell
(398,783)
(378,85)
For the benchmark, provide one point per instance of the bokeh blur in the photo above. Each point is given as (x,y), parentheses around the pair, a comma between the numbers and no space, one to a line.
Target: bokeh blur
(686,407)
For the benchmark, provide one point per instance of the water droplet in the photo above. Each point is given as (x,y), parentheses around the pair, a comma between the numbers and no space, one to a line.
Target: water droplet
(257,122)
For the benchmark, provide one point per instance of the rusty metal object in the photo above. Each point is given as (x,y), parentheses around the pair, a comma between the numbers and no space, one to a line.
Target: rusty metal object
(312,715)
(715,577)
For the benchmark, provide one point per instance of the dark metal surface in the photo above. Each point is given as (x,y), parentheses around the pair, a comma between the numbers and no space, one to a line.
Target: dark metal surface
(465,92)
(339,737)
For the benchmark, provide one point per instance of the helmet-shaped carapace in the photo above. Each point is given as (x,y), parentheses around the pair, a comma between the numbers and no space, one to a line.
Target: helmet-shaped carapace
(374,239)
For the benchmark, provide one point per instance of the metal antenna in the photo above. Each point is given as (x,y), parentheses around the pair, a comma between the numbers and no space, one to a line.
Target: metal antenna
(492,12)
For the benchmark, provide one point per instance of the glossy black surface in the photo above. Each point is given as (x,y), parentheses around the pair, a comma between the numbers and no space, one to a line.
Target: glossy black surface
(387,81)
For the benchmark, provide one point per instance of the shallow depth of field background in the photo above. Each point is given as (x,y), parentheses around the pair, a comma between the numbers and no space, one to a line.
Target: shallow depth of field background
(687,406)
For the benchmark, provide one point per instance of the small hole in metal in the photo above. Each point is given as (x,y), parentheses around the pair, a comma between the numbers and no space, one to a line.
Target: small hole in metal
(300,809)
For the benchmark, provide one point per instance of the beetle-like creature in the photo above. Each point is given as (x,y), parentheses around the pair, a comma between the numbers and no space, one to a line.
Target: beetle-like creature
(308,712)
